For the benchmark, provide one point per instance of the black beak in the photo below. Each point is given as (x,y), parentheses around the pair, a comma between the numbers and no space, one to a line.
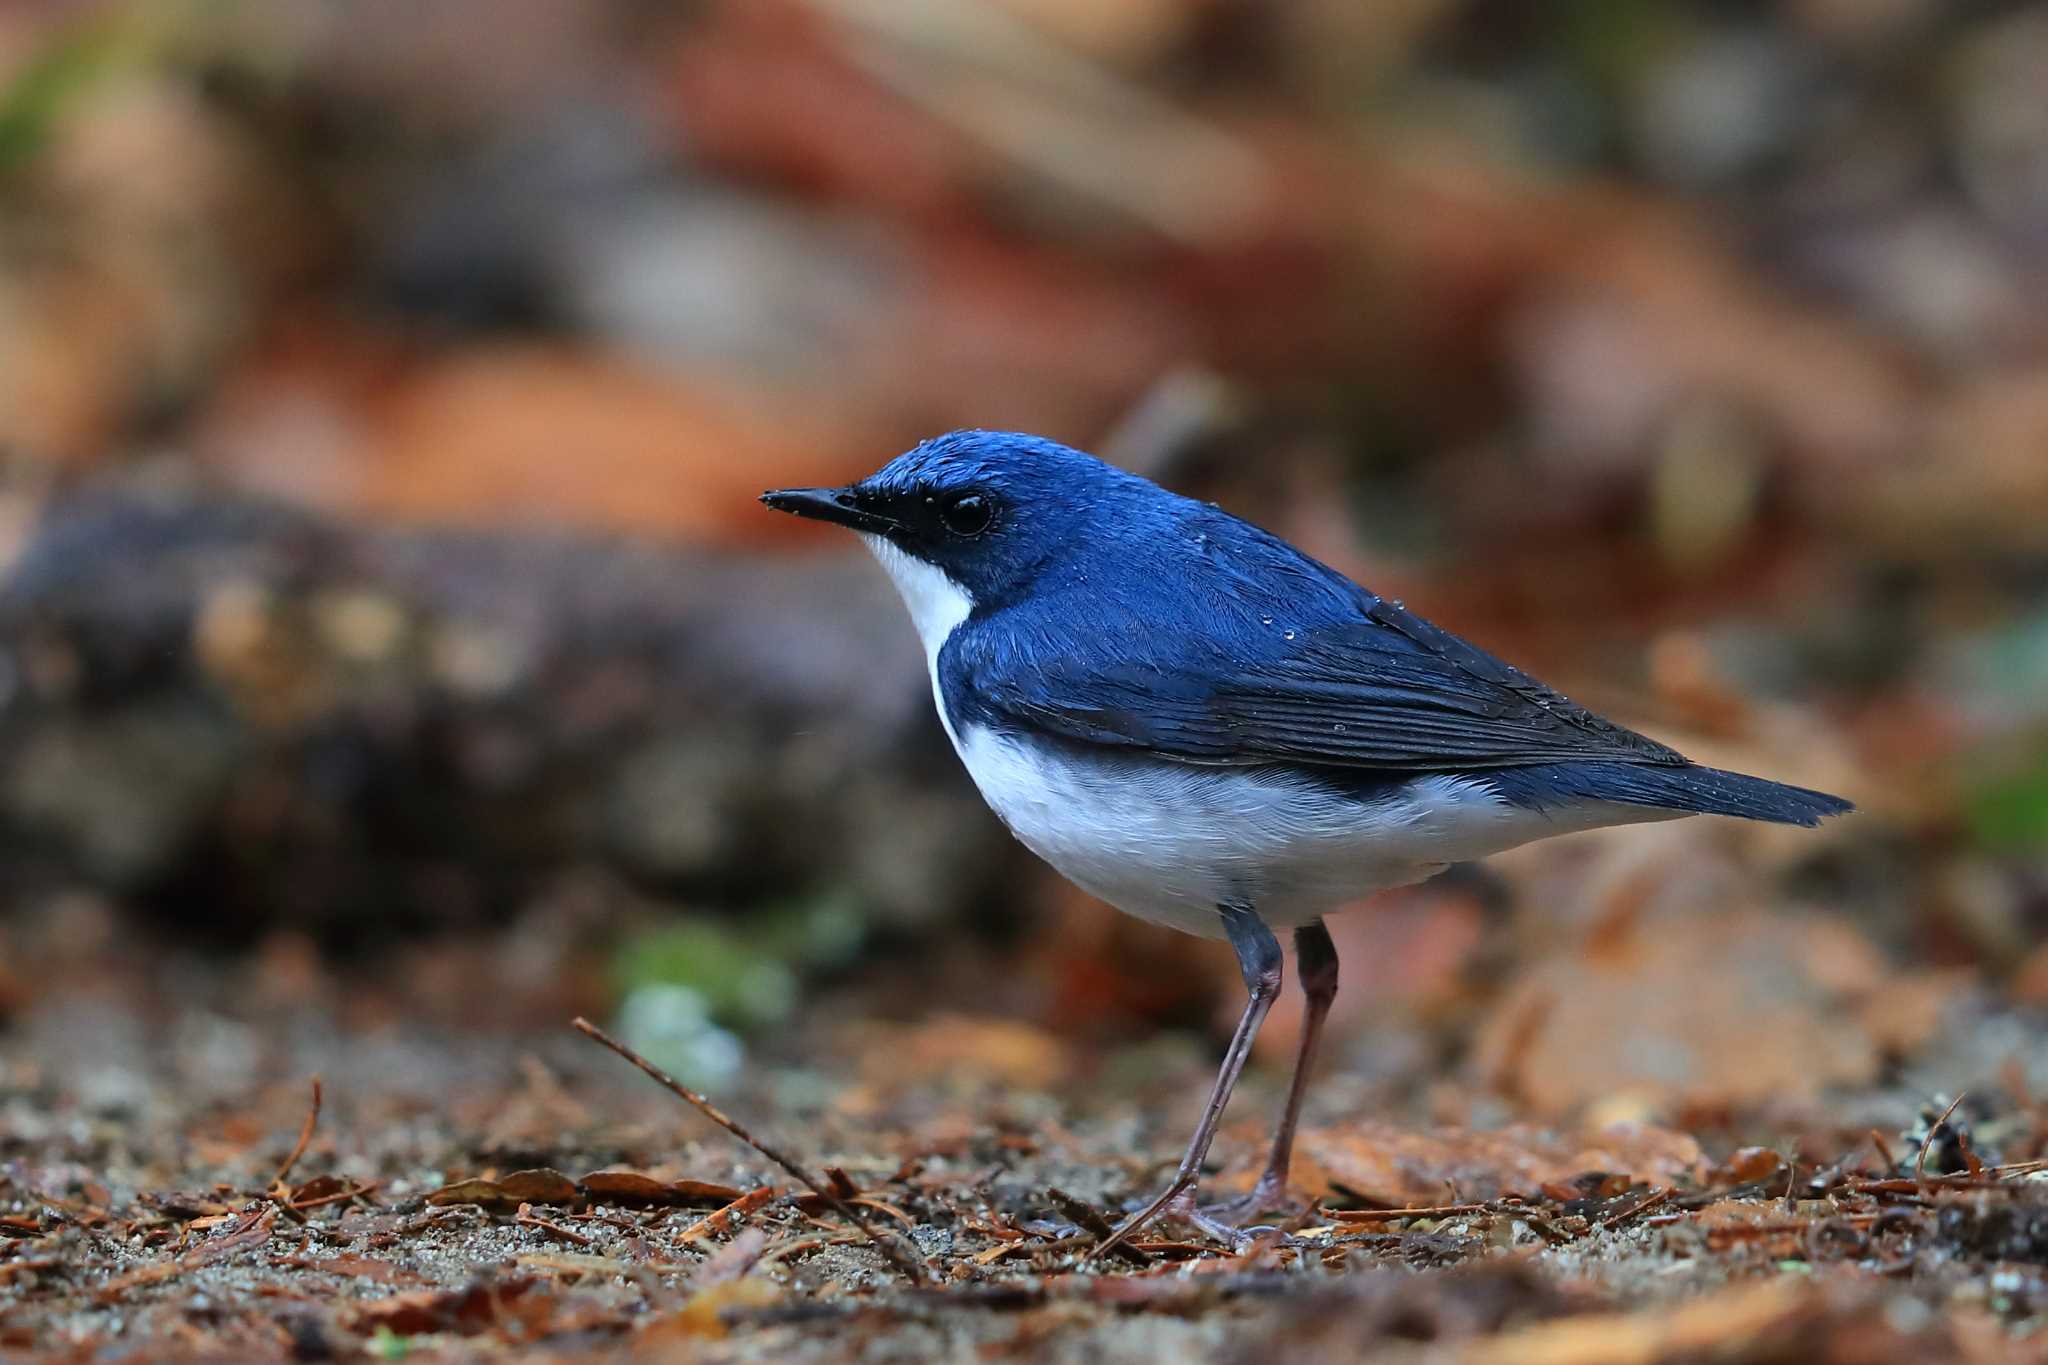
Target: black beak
(836,505)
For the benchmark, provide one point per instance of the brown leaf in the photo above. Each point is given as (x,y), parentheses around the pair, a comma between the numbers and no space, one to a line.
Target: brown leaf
(1747,1165)
(319,1187)
(1906,1010)
(467,1311)
(530,433)
(628,1187)
(1403,1168)
(734,1259)
(1586,1185)
(705,1191)
(1007,1051)
(1727,1008)
(182,1207)
(1742,1322)
(471,1191)
(701,1317)
(639,1190)
(540,1186)
(1738,1213)
(348,1263)
(2030,979)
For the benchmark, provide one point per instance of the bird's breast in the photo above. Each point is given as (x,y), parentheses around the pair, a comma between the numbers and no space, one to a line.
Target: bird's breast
(1169,841)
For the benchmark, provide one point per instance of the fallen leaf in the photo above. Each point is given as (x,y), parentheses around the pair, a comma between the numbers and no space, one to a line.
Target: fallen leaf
(1005,1051)
(467,1311)
(705,1191)
(1586,1185)
(1402,1168)
(1730,1008)
(540,1186)
(360,1267)
(734,1259)
(629,1187)
(319,1187)
(637,1189)
(1738,1323)
(1906,1012)
(1747,1165)
(551,435)
(474,1190)
(182,1207)
(701,1316)
(1738,1213)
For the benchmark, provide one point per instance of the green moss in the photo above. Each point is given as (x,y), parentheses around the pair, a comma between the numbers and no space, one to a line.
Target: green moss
(50,83)
(745,972)
(2011,813)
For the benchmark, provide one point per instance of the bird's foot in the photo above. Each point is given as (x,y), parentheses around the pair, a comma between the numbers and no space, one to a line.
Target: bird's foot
(1270,1194)
(1228,1223)
(1223,1223)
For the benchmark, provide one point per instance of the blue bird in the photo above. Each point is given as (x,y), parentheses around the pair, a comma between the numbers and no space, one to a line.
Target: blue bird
(1208,729)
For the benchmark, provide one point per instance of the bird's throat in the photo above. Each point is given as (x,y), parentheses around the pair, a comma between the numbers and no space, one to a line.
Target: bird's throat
(937,604)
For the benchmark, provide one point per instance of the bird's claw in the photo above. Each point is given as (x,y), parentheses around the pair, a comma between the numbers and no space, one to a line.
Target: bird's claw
(1216,1224)
(1270,1193)
(1226,1223)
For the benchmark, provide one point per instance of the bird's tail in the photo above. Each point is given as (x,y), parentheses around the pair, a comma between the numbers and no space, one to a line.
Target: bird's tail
(1690,789)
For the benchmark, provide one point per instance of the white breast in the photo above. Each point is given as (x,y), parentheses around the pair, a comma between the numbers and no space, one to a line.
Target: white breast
(1169,841)
(937,604)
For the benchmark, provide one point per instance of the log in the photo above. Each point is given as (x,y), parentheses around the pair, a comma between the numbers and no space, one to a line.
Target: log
(234,714)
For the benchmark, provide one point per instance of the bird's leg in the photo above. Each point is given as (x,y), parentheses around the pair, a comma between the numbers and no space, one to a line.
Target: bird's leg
(1315,961)
(1258,957)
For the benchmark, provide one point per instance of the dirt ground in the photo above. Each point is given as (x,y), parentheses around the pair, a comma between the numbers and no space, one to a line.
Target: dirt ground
(168,1190)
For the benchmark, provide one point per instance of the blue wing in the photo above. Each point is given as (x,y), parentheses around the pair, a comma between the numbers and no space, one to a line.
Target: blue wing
(1243,650)
(1383,689)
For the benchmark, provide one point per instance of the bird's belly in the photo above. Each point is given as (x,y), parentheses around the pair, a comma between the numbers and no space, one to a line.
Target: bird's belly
(1169,841)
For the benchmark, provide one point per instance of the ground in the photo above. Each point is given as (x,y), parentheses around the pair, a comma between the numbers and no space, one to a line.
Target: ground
(176,1186)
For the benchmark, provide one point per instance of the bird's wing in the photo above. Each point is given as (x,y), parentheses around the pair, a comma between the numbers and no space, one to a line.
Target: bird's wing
(1379,687)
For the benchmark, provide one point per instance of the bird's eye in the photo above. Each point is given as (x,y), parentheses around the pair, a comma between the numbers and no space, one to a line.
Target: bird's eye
(967,514)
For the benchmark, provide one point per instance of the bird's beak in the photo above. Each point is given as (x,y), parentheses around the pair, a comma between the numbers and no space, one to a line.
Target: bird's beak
(836,505)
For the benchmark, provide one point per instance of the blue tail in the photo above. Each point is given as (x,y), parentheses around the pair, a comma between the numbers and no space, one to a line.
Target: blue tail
(1690,789)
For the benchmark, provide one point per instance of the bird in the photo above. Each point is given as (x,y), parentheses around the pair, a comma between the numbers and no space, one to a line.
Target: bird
(1198,723)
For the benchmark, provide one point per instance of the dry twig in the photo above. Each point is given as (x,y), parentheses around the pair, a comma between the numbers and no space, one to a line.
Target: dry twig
(526,1217)
(1090,1219)
(305,1138)
(822,1189)
(1648,1203)
(1920,1166)
(719,1222)
(338,1197)
(1389,1215)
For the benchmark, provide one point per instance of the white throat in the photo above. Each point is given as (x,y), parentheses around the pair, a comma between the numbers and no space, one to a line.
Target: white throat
(936,602)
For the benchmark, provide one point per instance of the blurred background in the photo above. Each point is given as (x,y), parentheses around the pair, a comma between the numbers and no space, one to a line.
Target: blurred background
(390,640)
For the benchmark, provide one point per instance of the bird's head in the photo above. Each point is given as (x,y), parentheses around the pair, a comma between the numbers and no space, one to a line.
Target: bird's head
(973,518)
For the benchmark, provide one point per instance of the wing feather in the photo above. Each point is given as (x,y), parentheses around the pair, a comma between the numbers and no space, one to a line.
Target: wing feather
(1375,687)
